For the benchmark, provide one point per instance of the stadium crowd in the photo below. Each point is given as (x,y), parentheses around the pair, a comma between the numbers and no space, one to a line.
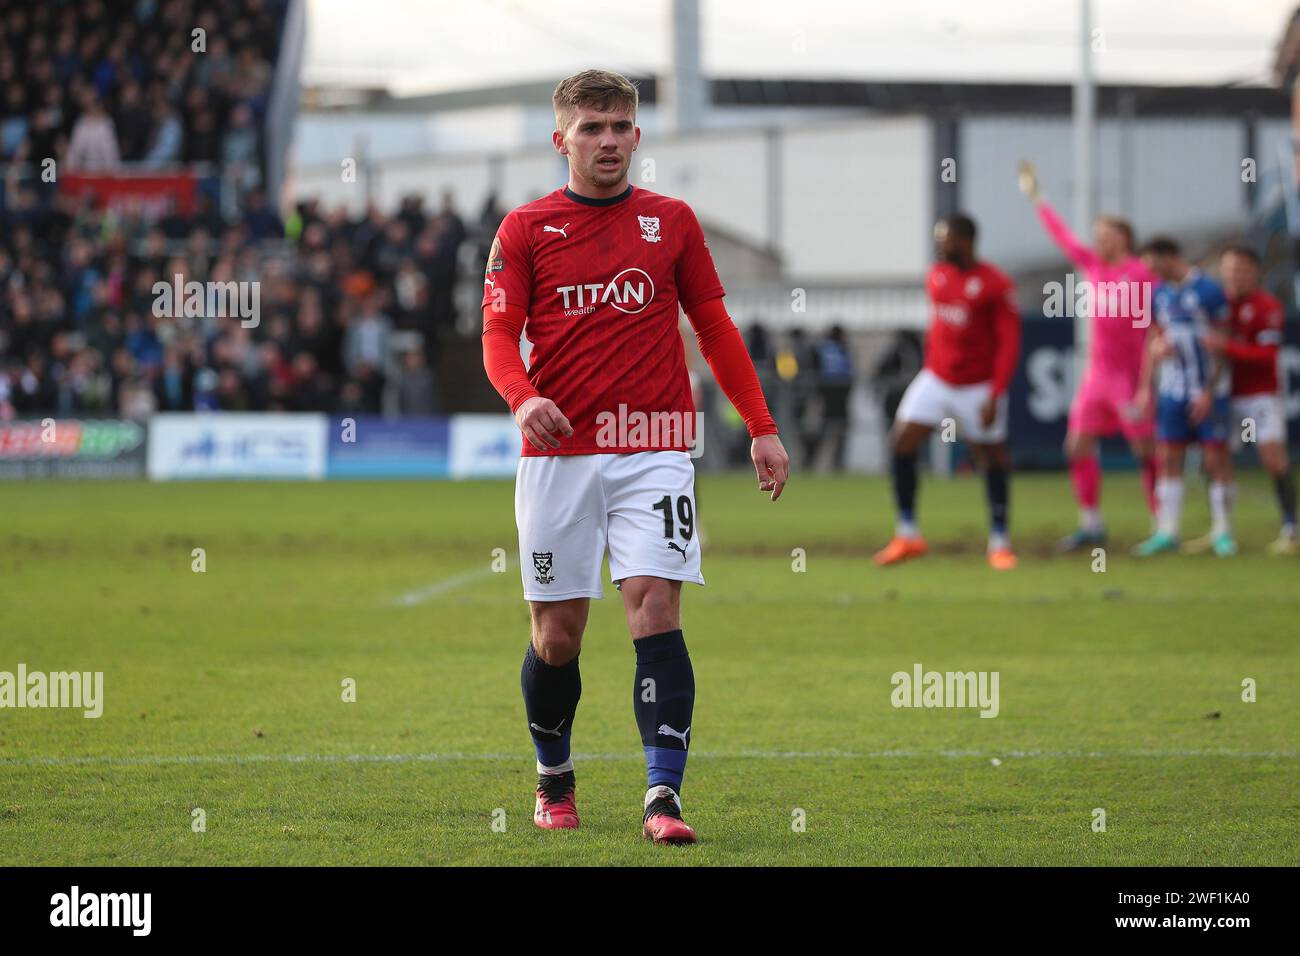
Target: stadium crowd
(81,333)
(104,86)
(95,84)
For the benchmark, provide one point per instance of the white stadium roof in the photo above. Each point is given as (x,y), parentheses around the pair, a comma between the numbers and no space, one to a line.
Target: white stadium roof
(429,46)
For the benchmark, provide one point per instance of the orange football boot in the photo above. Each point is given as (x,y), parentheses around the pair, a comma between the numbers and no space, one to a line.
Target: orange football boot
(1002,559)
(900,549)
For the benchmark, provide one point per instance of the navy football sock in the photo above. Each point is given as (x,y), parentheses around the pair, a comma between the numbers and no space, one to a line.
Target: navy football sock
(996,487)
(550,700)
(903,468)
(664,698)
(1284,485)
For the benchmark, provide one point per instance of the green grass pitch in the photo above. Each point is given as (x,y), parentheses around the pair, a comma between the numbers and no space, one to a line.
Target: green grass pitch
(223,690)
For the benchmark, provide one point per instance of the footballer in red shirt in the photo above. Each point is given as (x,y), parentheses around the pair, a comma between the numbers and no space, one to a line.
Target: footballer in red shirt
(594,275)
(1252,344)
(970,357)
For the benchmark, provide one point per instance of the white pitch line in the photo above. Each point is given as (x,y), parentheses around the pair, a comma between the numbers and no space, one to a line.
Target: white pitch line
(236,759)
(438,588)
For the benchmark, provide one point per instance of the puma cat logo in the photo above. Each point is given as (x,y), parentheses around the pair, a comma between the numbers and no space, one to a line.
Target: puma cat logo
(669,732)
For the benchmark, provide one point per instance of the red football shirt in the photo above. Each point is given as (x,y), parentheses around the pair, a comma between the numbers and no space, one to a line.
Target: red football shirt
(974,326)
(1255,336)
(601,281)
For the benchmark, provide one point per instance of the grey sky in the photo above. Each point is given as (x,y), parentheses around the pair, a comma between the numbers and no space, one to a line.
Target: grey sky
(416,46)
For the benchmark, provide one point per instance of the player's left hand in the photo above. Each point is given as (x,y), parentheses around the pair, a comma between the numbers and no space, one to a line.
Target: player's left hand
(1027,178)
(1200,408)
(1216,344)
(771,463)
(989,411)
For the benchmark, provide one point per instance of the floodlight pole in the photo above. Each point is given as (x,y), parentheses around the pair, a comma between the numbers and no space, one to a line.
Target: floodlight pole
(683,90)
(1085,132)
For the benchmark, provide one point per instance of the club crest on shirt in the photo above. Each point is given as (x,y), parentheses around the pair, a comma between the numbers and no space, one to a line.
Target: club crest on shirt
(649,228)
(542,567)
(954,313)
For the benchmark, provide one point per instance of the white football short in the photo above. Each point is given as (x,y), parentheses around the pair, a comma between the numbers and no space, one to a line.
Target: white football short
(1267,413)
(572,509)
(929,400)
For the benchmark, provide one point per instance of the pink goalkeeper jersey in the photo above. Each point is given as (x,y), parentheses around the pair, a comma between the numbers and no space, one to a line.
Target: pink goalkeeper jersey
(1121,297)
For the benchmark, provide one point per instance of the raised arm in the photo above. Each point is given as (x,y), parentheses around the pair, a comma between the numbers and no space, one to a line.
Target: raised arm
(1065,239)
(1059,231)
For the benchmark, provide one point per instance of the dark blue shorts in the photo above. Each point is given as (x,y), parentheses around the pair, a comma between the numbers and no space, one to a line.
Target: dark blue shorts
(1173,424)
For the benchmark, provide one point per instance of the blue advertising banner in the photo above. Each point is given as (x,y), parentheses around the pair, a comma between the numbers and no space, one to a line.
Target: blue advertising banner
(1040,393)
(373,447)
(485,446)
(211,445)
(1044,385)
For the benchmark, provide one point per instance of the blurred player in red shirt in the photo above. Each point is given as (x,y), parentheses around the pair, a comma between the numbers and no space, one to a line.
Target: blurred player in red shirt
(595,274)
(970,358)
(1252,344)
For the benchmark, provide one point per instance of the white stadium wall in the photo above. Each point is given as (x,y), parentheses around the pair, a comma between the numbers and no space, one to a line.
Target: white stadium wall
(858,200)
(842,202)
(851,203)
(528,175)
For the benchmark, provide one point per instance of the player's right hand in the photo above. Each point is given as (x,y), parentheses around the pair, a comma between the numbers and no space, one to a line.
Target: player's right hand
(771,464)
(1200,407)
(1028,180)
(989,411)
(1142,404)
(541,422)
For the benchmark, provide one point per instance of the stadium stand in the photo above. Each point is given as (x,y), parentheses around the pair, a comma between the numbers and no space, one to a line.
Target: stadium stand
(350,311)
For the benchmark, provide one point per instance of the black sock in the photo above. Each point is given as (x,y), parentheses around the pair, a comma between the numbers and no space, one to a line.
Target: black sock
(999,494)
(664,698)
(1284,485)
(903,468)
(550,700)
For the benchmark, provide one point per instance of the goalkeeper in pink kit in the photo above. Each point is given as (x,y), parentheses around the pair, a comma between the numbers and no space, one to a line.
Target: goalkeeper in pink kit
(1121,287)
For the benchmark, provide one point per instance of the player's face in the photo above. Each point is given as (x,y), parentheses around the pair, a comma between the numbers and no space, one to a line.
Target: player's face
(1110,242)
(1240,275)
(950,246)
(1156,264)
(599,145)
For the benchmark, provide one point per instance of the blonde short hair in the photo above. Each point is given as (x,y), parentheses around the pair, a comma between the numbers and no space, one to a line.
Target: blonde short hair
(596,89)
